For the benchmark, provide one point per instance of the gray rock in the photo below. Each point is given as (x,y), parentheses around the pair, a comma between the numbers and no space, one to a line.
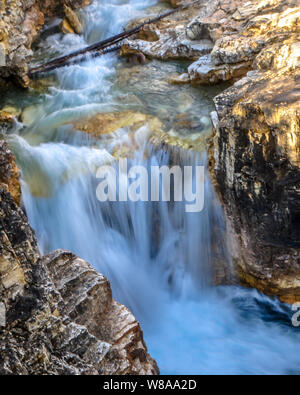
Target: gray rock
(2,315)
(2,56)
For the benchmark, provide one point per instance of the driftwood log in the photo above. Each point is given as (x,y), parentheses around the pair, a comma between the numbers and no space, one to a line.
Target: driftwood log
(100,48)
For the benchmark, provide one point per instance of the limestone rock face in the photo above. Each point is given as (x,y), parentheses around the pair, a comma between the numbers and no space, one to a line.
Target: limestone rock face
(240,32)
(20,23)
(57,315)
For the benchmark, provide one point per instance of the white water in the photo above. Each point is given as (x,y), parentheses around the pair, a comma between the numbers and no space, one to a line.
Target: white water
(157,257)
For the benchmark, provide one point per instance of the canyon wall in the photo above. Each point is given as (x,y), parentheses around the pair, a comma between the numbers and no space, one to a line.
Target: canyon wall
(57,314)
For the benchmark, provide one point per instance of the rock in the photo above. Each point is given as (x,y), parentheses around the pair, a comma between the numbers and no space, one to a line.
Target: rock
(179,79)
(204,71)
(42,84)
(2,55)
(257,162)
(6,117)
(107,123)
(88,301)
(187,133)
(57,315)
(131,123)
(20,24)
(167,39)
(73,20)
(9,173)
(15,112)
(175,3)
(240,33)
(66,27)
(2,315)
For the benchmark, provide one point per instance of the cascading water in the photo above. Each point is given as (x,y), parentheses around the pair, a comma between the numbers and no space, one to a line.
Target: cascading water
(158,258)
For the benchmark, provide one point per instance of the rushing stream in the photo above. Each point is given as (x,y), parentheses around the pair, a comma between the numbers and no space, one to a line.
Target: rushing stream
(158,258)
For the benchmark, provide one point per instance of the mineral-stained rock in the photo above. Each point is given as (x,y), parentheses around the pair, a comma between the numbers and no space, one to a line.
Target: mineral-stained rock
(106,123)
(57,315)
(9,173)
(135,126)
(5,117)
(257,165)
(13,111)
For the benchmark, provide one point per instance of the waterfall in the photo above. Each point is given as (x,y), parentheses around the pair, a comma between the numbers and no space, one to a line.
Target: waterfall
(158,242)
(159,258)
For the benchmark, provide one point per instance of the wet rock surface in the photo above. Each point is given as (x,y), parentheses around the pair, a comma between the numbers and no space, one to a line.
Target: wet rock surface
(240,31)
(256,146)
(256,152)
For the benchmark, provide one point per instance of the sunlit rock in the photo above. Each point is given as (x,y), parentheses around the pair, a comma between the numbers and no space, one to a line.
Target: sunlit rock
(6,117)
(66,27)
(73,20)
(167,39)
(9,173)
(179,79)
(204,71)
(67,308)
(106,123)
(240,32)
(257,161)
(14,111)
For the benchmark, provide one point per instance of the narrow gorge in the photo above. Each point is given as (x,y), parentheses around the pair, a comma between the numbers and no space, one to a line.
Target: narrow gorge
(145,287)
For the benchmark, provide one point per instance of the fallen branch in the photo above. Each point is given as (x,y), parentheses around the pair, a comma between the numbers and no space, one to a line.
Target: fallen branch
(102,47)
